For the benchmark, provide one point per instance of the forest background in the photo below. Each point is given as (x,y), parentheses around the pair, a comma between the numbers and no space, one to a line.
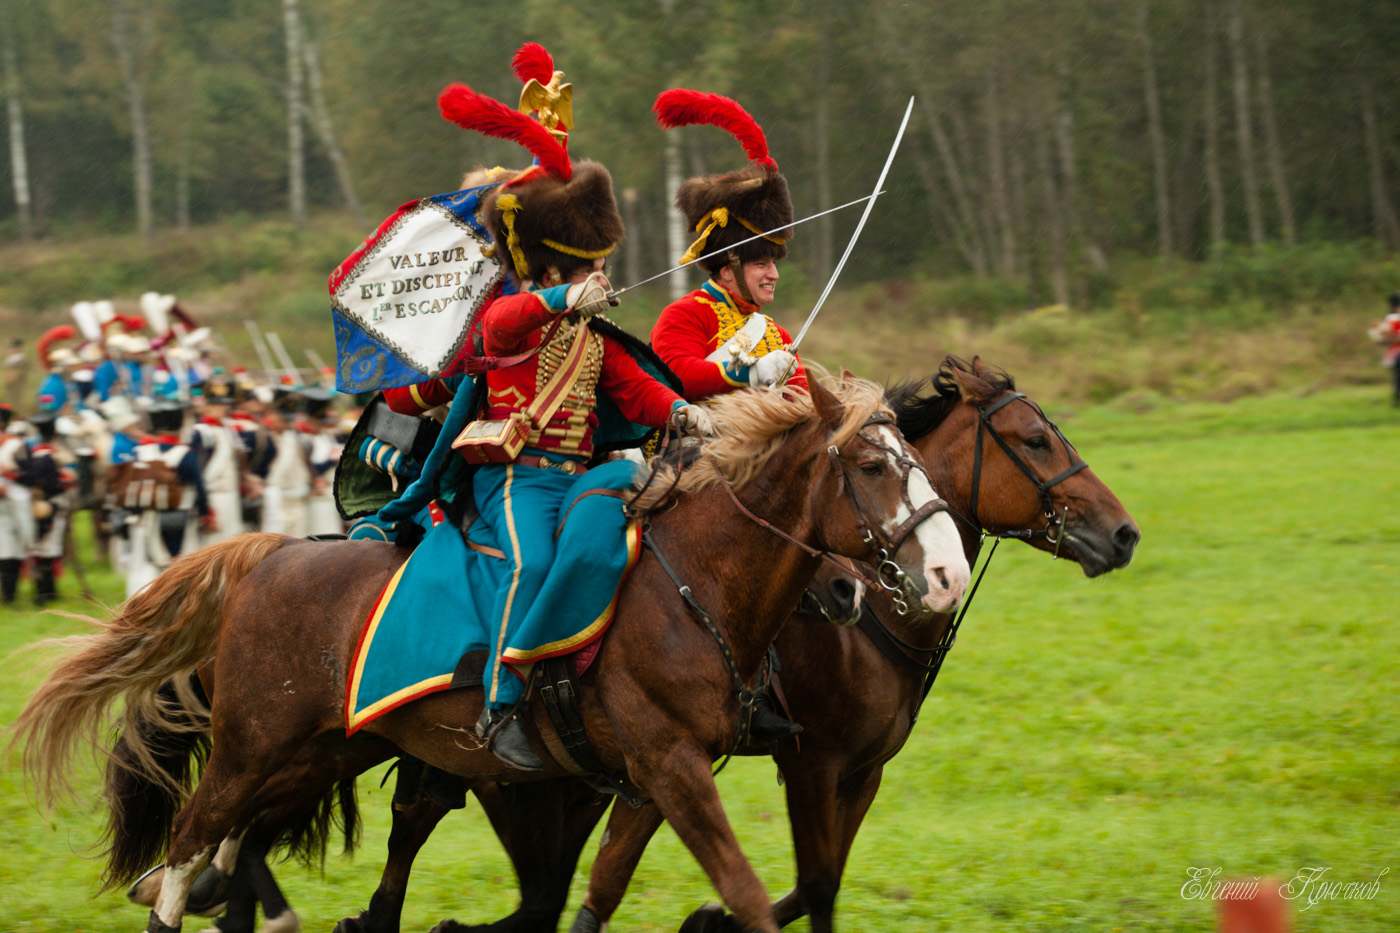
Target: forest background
(1181,198)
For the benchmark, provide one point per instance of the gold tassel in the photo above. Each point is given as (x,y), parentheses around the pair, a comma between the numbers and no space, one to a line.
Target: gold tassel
(510,206)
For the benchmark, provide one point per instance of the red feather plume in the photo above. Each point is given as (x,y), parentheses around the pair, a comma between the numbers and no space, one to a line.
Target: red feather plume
(472,111)
(532,61)
(679,107)
(51,336)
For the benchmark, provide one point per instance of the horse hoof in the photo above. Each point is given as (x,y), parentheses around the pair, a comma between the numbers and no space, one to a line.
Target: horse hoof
(711,918)
(351,924)
(285,922)
(209,893)
(586,922)
(452,926)
(146,889)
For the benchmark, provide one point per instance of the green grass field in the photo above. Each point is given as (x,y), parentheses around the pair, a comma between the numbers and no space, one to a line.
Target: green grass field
(1228,701)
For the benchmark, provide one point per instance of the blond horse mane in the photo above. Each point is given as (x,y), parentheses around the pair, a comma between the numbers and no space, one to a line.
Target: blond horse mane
(750,426)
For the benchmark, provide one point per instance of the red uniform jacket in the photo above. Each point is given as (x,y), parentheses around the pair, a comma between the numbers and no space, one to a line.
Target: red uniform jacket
(695,326)
(515,324)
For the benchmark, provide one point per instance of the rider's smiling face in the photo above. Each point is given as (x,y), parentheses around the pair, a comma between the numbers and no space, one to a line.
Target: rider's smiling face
(761,277)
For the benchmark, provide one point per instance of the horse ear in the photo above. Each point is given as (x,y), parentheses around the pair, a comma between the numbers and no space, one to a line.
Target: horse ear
(826,404)
(967,387)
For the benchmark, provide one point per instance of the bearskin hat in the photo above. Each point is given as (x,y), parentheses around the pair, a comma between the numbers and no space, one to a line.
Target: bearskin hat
(728,208)
(166,416)
(555,215)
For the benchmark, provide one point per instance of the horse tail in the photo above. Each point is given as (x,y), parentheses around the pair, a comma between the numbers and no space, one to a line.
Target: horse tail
(163,633)
(141,811)
(307,833)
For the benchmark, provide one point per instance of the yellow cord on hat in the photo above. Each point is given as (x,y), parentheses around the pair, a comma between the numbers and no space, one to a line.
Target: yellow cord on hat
(719,217)
(510,206)
(580,253)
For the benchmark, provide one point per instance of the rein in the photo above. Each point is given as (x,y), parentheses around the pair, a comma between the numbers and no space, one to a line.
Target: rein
(896,648)
(884,545)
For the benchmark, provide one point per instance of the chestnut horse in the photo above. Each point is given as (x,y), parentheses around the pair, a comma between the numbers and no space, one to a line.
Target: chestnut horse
(1004,468)
(279,620)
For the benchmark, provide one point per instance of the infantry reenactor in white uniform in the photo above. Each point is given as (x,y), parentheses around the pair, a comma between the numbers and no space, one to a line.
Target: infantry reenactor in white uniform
(323,452)
(16,508)
(50,477)
(163,508)
(223,459)
(288,485)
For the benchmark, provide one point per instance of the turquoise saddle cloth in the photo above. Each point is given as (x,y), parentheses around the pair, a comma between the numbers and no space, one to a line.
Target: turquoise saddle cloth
(435,609)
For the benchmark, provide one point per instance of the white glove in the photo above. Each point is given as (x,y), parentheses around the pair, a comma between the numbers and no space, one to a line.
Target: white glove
(590,296)
(771,368)
(693,420)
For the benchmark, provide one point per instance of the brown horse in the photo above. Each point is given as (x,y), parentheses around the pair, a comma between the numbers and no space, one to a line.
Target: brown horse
(1004,467)
(279,620)
(857,697)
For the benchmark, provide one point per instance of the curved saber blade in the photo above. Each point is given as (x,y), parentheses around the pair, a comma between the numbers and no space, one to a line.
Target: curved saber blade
(869,203)
(829,210)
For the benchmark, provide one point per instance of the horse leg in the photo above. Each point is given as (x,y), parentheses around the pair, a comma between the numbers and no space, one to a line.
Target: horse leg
(409,830)
(629,830)
(544,826)
(278,916)
(679,781)
(826,815)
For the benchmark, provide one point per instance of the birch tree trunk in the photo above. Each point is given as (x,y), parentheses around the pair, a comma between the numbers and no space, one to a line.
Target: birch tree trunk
(321,120)
(19,160)
(1272,146)
(1156,136)
(1215,187)
(122,42)
(970,241)
(996,166)
(1244,126)
(1054,221)
(182,184)
(296,138)
(1387,227)
(675,223)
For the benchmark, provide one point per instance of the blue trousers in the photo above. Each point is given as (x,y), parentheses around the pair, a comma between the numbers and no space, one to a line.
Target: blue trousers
(520,509)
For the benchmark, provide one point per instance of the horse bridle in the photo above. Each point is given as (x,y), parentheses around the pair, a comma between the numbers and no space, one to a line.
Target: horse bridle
(1054,529)
(885,545)
(899,586)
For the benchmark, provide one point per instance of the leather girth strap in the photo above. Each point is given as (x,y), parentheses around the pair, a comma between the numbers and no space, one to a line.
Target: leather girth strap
(560,724)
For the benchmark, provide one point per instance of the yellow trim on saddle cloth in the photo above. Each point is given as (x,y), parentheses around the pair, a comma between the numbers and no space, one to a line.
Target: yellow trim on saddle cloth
(417,398)
(355,718)
(720,217)
(566,645)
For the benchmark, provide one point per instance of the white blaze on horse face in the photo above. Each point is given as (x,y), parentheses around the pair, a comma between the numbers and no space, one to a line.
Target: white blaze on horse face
(175,889)
(945,571)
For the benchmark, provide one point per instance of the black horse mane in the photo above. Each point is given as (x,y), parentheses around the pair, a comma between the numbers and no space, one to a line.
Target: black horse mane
(918,414)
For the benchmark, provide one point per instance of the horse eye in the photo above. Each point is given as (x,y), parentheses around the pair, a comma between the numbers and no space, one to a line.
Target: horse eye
(872,469)
(1039,442)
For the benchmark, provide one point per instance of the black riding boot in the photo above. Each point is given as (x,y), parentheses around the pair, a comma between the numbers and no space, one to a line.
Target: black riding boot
(507,740)
(9,581)
(45,591)
(767,725)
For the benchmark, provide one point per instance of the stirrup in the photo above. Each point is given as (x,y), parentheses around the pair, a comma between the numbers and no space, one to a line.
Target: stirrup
(508,742)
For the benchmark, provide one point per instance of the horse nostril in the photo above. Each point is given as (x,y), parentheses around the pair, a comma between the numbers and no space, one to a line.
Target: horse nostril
(942,576)
(844,589)
(1126,536)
